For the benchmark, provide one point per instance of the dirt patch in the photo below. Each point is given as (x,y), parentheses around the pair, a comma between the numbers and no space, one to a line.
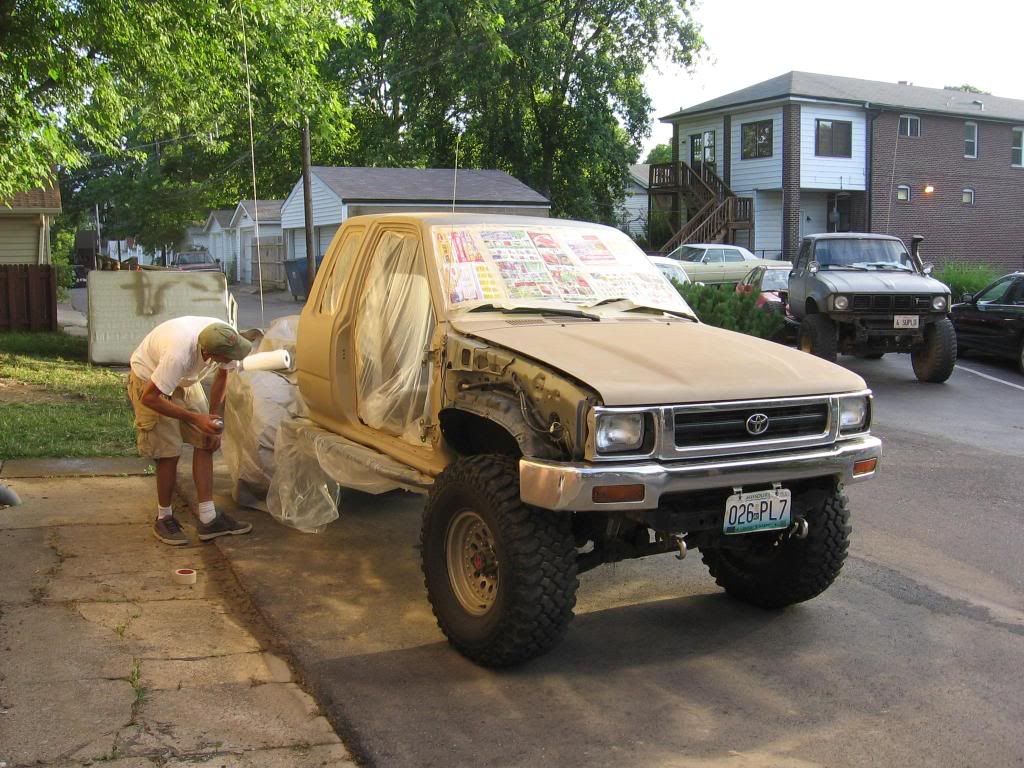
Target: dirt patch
(12,391)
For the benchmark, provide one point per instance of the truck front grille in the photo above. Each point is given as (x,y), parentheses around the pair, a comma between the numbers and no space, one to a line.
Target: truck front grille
(887,302)
(740,425)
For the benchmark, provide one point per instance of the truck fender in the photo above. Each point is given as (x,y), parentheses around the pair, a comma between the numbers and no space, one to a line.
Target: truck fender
(464,424)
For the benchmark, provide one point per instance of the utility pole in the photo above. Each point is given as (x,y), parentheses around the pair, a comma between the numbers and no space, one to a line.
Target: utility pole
(307,204)
(96,248)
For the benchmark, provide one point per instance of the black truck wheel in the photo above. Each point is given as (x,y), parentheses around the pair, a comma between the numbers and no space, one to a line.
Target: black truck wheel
(818,337)
(778,569)
(934,360)
(500,575)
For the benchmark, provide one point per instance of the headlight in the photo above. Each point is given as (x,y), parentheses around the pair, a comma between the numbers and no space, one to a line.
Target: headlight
(620,432)
(853,413)
(939,303)
(841,302)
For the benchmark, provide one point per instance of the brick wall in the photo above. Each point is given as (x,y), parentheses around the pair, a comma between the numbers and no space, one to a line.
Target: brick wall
(989,232)
(790,180)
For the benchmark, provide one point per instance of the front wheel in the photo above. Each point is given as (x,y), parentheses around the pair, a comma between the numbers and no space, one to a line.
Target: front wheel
(933,361)
(500,576)
(818,337)
(777,569)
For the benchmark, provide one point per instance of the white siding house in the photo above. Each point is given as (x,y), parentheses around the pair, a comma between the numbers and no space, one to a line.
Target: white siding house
(221,239)
(758,173)
(633,213)
(838,173)
(341,192)
(25,226)
(693,139)
(243,223)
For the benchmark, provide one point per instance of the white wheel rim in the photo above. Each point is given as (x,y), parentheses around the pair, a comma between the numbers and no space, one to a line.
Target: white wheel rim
(472,562)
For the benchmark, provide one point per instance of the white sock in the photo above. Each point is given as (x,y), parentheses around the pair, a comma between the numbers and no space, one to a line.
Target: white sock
(163,512)
(206,512)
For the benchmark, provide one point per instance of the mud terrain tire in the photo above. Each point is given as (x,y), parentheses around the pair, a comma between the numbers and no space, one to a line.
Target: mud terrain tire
(818,337)
(934,360)
(509,596)
(797,569)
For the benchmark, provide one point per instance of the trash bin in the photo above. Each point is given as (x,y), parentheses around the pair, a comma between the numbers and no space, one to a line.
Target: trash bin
(295,269)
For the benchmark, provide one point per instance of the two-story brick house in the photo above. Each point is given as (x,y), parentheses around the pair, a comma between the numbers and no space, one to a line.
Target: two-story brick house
(805,153)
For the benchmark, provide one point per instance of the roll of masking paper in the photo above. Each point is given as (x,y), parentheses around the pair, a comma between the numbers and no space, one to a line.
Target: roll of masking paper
(278,360)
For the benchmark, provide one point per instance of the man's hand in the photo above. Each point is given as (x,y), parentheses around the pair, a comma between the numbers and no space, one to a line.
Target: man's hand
(208,424)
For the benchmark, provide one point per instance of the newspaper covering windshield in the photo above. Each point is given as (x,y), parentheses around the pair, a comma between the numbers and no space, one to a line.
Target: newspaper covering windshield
(481,264)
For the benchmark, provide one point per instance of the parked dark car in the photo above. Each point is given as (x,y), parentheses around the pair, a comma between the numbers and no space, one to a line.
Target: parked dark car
(195,261)
(992,320)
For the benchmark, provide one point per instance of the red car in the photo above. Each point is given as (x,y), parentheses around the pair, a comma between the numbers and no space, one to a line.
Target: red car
(771,286)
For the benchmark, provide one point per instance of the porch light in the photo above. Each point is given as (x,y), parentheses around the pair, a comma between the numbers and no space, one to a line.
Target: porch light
(928,189)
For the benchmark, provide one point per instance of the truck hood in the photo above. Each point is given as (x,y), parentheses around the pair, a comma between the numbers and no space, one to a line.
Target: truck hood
(879,282)
(654,362)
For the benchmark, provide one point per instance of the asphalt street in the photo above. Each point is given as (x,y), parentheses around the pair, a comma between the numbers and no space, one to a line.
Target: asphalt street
(912,658)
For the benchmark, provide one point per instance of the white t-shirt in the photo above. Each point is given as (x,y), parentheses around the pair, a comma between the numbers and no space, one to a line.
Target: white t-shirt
(169,356)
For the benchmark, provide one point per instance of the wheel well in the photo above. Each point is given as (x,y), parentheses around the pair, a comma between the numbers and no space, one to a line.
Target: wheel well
(471,435)
(811,307)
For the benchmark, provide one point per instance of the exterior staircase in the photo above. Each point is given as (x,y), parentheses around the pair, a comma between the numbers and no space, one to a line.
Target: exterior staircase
(717,214)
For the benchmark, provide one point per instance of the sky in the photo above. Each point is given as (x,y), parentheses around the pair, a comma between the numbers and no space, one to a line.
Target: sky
(932,44)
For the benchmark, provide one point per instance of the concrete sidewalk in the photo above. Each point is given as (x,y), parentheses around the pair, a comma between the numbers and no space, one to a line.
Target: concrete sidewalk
(104,658)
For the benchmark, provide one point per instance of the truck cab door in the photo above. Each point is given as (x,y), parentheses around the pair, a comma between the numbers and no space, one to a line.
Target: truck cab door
(798,280)
(317,346)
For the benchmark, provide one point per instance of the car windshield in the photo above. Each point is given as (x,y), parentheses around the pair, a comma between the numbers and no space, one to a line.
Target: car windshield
(547,266)
(194,258)
(674,272)
(775,280)
(689,253)
(858,253)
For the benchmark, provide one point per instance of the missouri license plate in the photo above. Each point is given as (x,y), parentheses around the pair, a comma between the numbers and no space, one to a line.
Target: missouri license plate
(904,321)
(758,511)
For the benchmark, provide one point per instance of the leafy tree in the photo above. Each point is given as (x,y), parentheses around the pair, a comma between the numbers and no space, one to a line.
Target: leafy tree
(551,92)
(660,153)
(89,73)
(966,88)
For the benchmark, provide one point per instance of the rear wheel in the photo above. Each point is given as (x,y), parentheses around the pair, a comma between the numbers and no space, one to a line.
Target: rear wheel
(778,569)
(933,361)
(818,337)
(500,576)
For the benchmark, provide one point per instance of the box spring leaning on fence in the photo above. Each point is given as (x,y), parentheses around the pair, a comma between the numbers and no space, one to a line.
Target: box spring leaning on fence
(28,297)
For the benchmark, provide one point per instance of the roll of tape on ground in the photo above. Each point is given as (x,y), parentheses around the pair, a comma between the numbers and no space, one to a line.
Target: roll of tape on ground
(184,576)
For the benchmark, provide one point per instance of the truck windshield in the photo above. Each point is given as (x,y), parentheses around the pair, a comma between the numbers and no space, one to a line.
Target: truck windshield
(547,265)
(862,253)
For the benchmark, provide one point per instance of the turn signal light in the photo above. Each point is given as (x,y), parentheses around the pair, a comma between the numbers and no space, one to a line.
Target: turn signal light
(609,494)
(864,467)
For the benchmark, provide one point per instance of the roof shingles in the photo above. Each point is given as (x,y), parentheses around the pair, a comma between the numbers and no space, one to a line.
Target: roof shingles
(873,92)
(42,198)
(427,184)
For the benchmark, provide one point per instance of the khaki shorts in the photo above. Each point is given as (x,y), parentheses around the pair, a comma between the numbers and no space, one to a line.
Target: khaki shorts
(159,436)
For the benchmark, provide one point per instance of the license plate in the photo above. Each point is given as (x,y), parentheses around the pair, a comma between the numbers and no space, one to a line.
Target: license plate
(758,511)
(904,321)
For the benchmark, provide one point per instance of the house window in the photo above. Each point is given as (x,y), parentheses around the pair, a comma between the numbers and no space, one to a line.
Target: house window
(833,138)
(968,196)
(910,126)
(1017,150)
(756,140)
(970,140)
(903,193)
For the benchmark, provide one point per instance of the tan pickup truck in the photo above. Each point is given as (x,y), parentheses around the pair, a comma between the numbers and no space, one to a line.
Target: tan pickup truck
(572,411)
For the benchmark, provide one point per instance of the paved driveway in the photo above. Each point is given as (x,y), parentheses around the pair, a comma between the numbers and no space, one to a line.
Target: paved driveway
(912,658)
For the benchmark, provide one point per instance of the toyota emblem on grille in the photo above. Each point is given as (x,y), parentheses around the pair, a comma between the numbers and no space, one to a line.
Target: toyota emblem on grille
(757,424)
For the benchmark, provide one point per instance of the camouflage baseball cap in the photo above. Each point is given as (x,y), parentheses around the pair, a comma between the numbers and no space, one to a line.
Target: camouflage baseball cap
(224,341)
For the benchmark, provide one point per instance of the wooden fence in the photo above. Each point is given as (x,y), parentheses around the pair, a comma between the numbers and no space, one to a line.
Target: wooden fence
(28,297)
(271,257)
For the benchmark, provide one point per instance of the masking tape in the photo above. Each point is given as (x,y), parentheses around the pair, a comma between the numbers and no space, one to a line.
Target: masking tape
(184,576)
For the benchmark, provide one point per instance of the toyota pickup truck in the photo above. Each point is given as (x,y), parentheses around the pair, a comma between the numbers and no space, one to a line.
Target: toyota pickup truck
(570,410)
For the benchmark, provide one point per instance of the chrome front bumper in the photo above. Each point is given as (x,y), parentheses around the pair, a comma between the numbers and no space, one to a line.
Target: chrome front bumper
(570,486)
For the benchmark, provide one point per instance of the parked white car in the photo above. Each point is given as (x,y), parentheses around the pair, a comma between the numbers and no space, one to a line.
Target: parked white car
(671,269)
(718,262)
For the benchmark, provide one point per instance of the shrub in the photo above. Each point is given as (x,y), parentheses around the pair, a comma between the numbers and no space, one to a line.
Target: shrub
(722,307)
(965,278)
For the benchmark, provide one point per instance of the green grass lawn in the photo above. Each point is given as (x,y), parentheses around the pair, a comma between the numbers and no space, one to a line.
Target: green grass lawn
(54,403)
